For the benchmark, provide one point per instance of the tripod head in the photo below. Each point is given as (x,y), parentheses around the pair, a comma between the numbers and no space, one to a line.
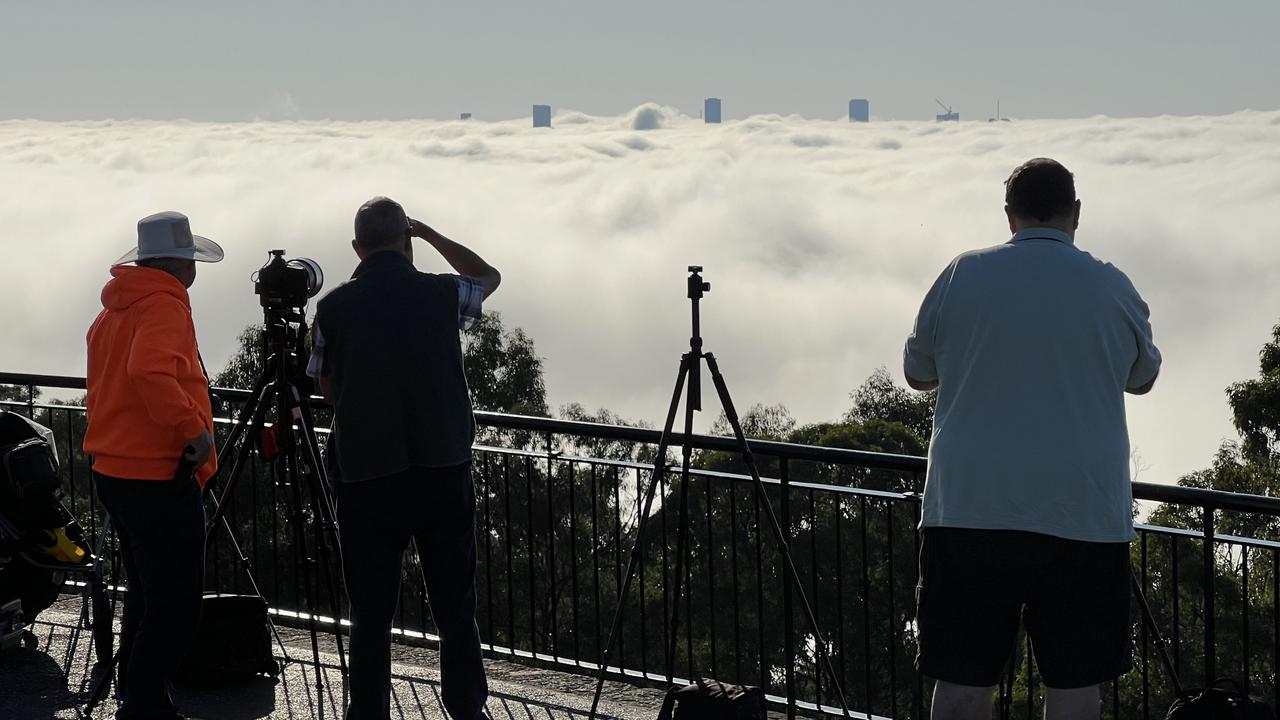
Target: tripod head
(697,288)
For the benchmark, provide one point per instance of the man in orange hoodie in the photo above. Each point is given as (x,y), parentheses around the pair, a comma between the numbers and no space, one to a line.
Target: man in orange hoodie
(150,426)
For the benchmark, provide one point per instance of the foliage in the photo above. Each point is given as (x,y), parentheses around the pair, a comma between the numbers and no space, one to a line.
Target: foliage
(245,365)
(19,393)
(504,371)
(761,422)
(1255,405)
(880,398)
(604,448)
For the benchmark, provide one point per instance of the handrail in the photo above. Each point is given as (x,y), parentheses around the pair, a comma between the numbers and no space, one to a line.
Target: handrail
(1157,492)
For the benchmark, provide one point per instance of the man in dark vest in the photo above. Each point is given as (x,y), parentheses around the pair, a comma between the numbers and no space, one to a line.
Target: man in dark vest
(386,353)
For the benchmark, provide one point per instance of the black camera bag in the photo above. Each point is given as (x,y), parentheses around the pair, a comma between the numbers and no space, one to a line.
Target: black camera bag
(1224,700)
(28,469)
(233,642)
(29,481)
(709,699)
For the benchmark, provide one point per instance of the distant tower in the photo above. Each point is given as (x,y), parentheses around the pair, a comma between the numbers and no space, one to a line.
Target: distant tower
(859,110)
(711,110)
(466,116)
(542,116)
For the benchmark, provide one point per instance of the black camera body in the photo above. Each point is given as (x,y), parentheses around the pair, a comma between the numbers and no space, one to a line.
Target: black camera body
(286,285)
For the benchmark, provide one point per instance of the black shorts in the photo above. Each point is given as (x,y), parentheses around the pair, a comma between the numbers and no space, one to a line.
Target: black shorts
(1072,597)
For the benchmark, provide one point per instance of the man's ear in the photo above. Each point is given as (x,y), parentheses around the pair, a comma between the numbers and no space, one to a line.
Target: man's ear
(359,250)
(1075,221)
(1013,226)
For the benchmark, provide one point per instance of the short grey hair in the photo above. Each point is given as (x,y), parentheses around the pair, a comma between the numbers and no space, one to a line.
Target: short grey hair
(380,223)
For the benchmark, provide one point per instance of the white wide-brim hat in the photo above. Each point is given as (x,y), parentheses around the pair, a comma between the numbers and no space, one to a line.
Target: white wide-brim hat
(168,235)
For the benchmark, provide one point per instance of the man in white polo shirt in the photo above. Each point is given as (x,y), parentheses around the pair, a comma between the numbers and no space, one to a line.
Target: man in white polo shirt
(1031,345)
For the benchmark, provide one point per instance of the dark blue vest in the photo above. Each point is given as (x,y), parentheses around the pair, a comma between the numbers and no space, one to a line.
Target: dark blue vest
(392,349)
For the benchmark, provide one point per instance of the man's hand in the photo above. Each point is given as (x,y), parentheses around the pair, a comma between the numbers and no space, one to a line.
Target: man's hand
(419,229)
(198,449)
(462,260)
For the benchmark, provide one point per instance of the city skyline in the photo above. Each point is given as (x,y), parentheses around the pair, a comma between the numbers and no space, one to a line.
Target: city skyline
(396,59)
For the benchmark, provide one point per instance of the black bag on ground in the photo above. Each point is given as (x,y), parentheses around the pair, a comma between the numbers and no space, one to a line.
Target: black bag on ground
(710,699)
(233,642)
(1224,700)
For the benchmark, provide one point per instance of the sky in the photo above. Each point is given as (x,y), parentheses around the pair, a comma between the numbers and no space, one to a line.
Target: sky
(819,237)
(236,60)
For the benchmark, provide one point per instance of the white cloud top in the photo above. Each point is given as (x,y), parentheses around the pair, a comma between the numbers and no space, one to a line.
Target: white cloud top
(819,237)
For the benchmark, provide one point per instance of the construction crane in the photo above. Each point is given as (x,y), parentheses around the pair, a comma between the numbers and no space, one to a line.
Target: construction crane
(948,115)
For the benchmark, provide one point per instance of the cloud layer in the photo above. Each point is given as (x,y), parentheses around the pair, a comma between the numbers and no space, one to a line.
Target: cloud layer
(819,237)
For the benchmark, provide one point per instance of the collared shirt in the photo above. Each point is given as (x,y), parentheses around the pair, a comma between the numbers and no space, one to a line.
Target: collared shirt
(1033,343)
(470,300)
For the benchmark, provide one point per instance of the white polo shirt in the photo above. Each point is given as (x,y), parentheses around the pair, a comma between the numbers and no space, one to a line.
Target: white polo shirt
(1033,343)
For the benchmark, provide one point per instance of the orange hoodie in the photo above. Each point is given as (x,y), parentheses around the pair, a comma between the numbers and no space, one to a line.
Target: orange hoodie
(148,393)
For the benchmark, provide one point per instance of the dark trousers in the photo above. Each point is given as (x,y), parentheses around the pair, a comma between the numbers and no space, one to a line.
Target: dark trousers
(160,524)
(376,519)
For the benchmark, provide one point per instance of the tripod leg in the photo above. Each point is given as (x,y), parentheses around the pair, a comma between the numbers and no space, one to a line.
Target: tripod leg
(98,692)
(326,533)
(291,472)
(103,636)
(680,579)
(251,415)
(659,466)
(94,596)
(793,575)
(103,612)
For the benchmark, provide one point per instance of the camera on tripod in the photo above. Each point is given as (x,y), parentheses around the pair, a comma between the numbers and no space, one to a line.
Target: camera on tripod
(285,286)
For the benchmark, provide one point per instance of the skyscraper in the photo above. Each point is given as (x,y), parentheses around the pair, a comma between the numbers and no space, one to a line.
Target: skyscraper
(711,110)
(466,116)
(542,116)
(859,110)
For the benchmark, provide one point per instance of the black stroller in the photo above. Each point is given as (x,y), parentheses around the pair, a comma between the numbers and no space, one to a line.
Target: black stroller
(40,541)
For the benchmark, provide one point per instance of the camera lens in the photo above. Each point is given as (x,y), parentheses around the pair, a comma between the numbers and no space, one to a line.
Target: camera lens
(315,276)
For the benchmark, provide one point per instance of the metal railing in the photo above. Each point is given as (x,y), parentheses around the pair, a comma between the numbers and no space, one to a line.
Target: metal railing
(557,505)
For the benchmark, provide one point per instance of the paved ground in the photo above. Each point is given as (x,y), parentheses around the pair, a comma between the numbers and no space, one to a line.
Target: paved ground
(33,685)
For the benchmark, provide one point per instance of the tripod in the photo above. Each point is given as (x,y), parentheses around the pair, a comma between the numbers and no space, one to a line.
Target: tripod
(296,453)
(689,378)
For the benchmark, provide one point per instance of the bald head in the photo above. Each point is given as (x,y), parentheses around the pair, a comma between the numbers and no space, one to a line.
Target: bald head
(381,224)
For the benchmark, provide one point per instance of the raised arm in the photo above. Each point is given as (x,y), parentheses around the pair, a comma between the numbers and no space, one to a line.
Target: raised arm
(460,258)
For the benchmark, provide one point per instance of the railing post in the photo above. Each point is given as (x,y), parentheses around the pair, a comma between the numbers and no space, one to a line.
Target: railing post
(1210,672)
(788,624)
